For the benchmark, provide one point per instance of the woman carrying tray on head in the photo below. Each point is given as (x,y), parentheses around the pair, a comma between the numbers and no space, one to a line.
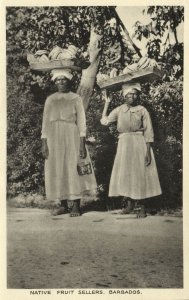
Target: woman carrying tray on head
(63,146)
(134,173)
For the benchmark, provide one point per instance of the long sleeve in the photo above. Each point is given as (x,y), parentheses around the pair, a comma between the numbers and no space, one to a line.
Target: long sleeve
(81,119)
(45,122)
(106,120)
(148,129)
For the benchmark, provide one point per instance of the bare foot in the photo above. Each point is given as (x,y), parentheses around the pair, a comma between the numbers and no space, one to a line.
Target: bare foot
(129,207)
(126,211)
(75,212)
(141,213)
(59,211)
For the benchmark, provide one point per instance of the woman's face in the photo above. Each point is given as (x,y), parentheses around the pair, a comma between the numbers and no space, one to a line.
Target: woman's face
(63,84)
(132,97)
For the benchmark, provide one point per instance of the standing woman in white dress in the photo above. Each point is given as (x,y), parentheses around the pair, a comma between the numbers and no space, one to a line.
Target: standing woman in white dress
(63,146)
(134,174)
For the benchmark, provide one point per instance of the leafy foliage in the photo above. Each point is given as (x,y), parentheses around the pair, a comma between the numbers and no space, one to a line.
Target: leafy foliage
(165,103)
(164,20)
(25,165)
(165,16)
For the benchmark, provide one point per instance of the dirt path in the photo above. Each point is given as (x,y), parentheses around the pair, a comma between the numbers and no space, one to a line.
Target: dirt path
(97,250)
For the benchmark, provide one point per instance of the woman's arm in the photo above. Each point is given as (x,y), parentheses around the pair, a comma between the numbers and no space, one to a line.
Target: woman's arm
(148,155)
(106,104)
(106,120)
(148,135)
(147,125)
(45,122)
(45,150)
(81,123)
(83,151)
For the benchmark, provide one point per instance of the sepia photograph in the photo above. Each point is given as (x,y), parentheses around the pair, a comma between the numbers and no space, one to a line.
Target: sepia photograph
(94,148)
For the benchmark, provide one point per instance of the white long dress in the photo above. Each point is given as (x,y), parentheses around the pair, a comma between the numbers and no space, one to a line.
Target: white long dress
(130,176)
(63,124)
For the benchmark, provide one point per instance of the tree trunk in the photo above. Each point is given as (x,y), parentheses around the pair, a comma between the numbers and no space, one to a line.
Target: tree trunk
(88,78)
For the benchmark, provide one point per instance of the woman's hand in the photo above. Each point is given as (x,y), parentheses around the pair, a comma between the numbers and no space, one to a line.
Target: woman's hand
(106,96)
(148,158)
(82,151)
(45,149)
(148,155)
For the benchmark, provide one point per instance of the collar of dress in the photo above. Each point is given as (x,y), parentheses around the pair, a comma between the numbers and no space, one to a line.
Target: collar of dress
(133,109)
(68,96)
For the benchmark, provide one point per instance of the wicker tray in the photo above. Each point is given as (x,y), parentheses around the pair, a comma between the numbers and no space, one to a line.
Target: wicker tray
(55,64)
(145,75)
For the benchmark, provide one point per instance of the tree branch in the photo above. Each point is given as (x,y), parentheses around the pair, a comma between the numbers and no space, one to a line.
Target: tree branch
(175,35)
(122,26)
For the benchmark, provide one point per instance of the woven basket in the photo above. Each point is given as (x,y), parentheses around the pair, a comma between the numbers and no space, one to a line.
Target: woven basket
(55,64)
(144,75)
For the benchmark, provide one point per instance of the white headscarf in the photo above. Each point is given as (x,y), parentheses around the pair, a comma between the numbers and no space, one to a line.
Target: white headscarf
(61,72)
(128,87)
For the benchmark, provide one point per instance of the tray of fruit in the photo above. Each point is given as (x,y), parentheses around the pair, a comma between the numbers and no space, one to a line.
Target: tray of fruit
(54,64)
(145,70)
(58,58)
(145,75)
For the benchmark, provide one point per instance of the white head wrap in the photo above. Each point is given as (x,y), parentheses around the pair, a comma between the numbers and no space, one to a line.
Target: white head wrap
(128,87)
(61,72)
